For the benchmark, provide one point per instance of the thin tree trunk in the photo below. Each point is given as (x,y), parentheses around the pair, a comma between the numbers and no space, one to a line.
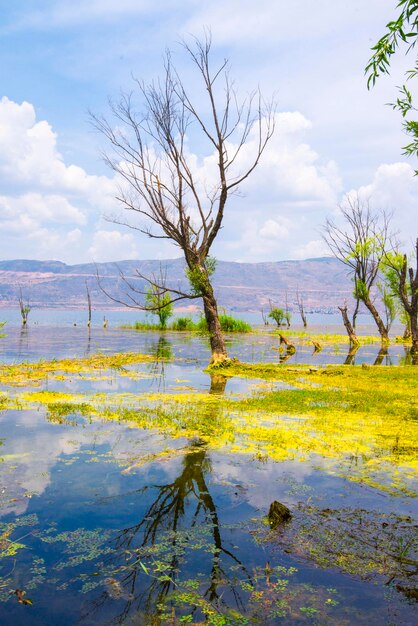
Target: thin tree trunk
(356,312)
(410,303)
(383,331)
(88,306)
(348,326)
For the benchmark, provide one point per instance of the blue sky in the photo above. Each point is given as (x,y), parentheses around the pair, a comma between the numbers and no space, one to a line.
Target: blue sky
(62,58)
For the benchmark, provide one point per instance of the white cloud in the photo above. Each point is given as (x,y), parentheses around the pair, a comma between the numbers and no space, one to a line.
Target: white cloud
(53,209)
(394,189)
(394,185)
(45,202)
(289,167)
(311,250)
(110,245)
(40,208)
(275,229)
(29,158)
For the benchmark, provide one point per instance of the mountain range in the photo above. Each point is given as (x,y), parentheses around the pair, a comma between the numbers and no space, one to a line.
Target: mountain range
(321,283)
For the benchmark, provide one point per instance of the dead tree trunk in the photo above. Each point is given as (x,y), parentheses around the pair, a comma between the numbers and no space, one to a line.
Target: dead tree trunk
(356,310)
(290,348)
(88,306)
(317,346)
(299,302)
(348,326)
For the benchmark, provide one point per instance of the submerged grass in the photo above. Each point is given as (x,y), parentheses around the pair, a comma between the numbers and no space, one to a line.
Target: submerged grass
(29,374)
(358,422)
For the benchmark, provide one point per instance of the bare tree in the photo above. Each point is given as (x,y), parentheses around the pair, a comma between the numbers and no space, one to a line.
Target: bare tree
(349,326)
(287,313)
(88,306)
(161,184)
(361,244)
(300,305)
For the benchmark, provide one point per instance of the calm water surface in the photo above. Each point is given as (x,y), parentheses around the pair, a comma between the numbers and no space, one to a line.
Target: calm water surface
(94,534)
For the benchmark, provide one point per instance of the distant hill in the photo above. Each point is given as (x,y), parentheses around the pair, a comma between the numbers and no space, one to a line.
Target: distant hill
(322,283)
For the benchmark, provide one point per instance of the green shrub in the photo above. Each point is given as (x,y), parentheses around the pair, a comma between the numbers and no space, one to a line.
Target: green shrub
(140,326)
(183,323)
(229,324)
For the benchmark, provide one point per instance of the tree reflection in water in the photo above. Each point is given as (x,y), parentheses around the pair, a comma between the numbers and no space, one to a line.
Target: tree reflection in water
(408,358)
(163,352)
(350,359)
(178,537)
(383,355)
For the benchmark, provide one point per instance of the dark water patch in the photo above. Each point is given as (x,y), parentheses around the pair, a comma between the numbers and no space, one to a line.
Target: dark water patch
(91,538)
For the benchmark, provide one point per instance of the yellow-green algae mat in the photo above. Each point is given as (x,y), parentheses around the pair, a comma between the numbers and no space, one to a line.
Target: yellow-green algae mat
(360,423)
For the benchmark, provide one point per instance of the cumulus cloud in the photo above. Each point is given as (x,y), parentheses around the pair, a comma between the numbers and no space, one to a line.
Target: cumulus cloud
(291,166)
(47,208)
(394,189)
(113,244)
(311,250)
(36,207)
(394,185)
(275,229)
(30,158)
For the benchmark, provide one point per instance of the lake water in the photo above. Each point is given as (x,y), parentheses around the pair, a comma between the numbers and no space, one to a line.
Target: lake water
(106,522)
(55,333)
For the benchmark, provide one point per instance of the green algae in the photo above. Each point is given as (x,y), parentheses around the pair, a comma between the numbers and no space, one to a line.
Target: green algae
(31,374)
(361,421)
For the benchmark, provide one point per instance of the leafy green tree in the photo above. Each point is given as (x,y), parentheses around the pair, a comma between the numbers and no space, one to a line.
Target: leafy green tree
(287,317)
(158,302)
(278,315)
(402,281)
(390,303)
(402,31)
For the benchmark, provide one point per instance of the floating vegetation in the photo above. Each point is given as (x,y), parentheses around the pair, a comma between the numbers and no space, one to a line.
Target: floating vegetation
(153,507)
(328,413)
(365,544)
(30,374)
